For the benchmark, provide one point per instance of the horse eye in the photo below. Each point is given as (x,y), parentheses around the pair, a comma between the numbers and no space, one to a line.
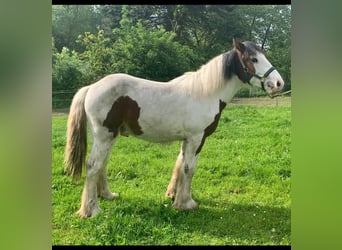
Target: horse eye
(254,60)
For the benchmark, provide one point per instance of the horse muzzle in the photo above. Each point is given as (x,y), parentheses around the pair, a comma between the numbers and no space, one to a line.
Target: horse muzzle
(275,86)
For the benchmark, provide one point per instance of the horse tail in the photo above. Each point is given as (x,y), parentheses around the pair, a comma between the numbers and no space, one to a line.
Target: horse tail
(76,142)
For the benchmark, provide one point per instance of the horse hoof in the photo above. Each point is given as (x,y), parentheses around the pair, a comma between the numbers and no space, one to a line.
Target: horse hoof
(190,205)
(88,214)
(110,196)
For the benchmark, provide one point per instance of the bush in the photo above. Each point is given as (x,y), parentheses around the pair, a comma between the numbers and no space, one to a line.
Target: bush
(98,55)
(67,71)
(150,54)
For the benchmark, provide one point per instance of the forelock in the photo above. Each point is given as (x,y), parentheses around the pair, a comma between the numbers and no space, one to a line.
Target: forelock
(252,48)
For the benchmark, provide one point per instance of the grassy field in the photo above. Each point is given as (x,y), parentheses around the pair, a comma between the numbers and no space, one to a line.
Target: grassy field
(242,184)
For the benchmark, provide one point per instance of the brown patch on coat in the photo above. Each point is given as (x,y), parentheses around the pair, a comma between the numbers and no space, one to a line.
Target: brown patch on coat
(232,65)
(212,127)
(240,72)
(248,62)
(124,111)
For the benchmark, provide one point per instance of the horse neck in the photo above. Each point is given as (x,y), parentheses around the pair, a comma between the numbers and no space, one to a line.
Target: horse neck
(208,82)
(232,86)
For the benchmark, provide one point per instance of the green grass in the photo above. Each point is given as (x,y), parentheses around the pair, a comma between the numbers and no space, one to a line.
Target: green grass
(242,184)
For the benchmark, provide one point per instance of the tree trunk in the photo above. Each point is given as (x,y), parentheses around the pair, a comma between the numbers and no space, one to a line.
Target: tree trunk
(251,29)
(265,37)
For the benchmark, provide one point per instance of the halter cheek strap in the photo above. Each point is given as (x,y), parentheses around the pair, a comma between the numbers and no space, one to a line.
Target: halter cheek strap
(261,78)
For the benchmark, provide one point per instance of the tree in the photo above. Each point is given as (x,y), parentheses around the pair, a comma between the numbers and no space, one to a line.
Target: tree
(110,16)
(68,70)
(151,54)
(98,55)
(270,27)
(68,21)
(161,42)
(207,29)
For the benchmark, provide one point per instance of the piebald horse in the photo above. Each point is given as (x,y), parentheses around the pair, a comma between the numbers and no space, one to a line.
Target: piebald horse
(186,109)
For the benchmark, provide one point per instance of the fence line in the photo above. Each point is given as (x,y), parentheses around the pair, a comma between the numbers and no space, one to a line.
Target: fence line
(64,92)
(62,98)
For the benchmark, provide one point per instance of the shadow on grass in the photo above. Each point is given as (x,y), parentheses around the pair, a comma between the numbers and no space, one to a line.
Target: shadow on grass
(254,224)
(250,223)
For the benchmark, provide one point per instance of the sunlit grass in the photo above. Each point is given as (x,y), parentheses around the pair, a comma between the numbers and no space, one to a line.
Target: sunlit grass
(242,184)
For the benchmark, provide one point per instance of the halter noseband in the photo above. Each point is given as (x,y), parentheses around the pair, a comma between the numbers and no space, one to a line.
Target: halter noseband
(250,74)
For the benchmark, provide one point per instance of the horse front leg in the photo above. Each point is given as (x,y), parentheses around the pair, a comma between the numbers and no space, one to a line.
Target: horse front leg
(183,199)
(171,189)
(103,188)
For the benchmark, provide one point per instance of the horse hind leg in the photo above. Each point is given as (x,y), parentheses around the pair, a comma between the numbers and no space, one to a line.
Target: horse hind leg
(96,177)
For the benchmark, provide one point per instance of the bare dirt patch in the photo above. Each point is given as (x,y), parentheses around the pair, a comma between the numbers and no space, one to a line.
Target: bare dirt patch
(60,112)
(283,101)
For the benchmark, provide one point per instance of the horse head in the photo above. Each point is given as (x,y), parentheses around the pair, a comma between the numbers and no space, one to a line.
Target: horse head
(255,69)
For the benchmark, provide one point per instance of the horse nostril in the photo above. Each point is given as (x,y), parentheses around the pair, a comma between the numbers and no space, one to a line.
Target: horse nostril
(278,84)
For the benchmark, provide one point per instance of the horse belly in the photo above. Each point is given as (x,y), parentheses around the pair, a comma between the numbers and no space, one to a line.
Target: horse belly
(162,130)
(170,120)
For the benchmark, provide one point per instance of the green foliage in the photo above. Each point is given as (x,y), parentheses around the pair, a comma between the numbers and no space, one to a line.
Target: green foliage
(98,55)
(67,70)
(149,54)
(207,29)
(68,75)
(160,42)
(242,184)
(270,27)
(68,21)
(137,51)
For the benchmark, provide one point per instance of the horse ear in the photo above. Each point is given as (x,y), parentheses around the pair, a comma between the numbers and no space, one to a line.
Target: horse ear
(238,45)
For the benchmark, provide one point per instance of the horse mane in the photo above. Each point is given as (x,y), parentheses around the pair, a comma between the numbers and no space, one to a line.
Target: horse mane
(213,76)
(209,78)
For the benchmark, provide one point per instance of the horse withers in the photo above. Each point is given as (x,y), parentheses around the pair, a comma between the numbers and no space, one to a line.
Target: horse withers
(186,109)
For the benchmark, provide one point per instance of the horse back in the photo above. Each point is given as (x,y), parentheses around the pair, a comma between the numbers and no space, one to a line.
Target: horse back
(150,110)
